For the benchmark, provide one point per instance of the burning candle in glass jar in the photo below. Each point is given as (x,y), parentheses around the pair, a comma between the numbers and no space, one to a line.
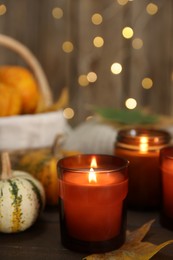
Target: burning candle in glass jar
(141,147)
(166,165)
(92,201)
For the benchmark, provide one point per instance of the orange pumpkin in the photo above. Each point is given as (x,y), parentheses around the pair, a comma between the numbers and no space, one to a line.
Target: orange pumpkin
(10,101)
(22,80)
(42,164)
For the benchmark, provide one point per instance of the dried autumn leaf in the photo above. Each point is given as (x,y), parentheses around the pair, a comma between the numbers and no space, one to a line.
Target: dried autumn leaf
(138,234)
(133,248)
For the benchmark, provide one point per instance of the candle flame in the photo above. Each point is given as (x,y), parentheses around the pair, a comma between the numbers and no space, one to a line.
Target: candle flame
(92,175)
(143,144)
(93,163)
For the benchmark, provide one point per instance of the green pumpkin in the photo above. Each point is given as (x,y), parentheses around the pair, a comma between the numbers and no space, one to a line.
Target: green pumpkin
(22,198)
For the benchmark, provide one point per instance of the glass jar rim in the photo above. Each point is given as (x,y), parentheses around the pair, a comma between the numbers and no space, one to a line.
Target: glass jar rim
(167,152)
(107,163)
(132,136)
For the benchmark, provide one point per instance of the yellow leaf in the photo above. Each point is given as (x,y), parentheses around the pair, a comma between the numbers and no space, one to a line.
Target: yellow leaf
(138,234)
(62,102)
(133,248)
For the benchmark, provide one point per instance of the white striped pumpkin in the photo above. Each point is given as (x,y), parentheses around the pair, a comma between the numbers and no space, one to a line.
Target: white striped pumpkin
(22,198)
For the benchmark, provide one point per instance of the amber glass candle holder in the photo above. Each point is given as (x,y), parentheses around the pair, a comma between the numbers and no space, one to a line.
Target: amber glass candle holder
(93,189)
(142,147)
(166,166)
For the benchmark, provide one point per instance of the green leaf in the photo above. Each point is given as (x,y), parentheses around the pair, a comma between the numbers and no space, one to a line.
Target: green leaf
(125,116)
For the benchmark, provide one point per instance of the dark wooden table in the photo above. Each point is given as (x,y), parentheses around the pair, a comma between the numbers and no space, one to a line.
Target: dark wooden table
(42,240)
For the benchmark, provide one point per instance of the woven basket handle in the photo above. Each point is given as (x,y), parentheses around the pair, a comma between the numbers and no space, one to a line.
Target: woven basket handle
(33,63)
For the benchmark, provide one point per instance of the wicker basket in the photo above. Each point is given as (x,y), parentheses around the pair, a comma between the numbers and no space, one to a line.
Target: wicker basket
(31,131)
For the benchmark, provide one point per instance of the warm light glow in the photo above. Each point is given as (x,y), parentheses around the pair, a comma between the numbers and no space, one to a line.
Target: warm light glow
(68,113)
(122,2)
(143,144)
(83,81)
(57,13)
(116,68)
(127,32)
(91,76)
(137,43)
(130,103)
(156,139)
(147,83)
(152,9)
(98,41)
(92,176)
(144,140)
(67,46)
(3,9)
(93,163)
(96,19)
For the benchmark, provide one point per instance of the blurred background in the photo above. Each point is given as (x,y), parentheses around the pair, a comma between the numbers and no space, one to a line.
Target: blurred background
(108,53)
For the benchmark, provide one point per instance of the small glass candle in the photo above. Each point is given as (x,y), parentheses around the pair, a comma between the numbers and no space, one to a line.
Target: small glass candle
(93,189)
(141,147)
(166,165)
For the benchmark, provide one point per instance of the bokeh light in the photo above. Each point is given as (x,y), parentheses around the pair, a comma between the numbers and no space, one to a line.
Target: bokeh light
(57,13)
(116,68)
(83,81)
(91,76)
(68,113)
(127,32)
(130,103)
(98,41)
(137,43)
(147,83)
(67,47)
(3,9)
(152,8)
(96,19)
(122,2)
